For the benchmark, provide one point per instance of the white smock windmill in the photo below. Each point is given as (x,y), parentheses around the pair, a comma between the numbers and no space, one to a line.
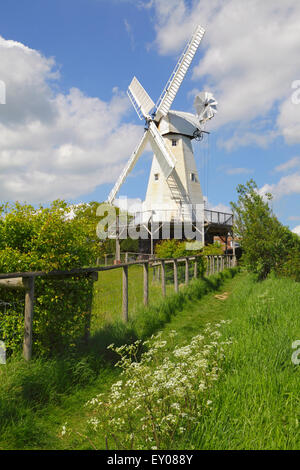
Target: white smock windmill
(173,188)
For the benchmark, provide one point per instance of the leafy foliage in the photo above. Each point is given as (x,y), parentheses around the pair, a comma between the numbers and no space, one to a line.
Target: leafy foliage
(214,249)
(267,245)
(177,249)
(57,237)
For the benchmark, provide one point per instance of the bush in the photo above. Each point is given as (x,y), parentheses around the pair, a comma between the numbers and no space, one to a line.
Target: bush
(266,244)
(46,239)
(177,249)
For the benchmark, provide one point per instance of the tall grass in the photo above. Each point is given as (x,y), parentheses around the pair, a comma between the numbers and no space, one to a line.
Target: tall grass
(256,404)
(27,388)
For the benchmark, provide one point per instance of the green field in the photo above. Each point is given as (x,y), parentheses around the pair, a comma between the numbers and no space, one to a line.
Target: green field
(107,299)
(255,402)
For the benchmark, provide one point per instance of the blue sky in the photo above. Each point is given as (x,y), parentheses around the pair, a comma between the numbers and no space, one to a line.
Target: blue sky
(67,127)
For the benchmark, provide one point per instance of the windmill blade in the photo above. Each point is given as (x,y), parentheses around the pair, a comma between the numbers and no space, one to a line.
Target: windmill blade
(167,97)
(206,106)
(129,167)
(164,157)
(140,99)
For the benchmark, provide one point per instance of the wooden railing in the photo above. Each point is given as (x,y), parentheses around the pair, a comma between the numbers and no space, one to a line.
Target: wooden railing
(26,280)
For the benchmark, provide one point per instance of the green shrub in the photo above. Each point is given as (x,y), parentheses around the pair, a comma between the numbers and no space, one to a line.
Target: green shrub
(46,239)
(267,245)
(177,249)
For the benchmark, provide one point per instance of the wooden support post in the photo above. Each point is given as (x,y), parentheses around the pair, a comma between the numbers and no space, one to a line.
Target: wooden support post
(186,271)
(29,300)
(87,327)
(175,276)
(126,257)
(146,284)
(125,294)
(105,262)
(158,273)
(163,278)
(196,268)
(118,249)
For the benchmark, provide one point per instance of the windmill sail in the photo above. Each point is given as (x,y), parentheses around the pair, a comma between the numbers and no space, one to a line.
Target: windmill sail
(165,159)
(128,168)
(140,99)
(168,95)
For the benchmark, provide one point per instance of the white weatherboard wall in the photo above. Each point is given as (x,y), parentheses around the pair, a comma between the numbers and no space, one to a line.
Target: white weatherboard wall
(159,197)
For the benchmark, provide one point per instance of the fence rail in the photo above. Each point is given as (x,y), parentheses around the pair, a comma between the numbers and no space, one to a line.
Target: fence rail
(26,281)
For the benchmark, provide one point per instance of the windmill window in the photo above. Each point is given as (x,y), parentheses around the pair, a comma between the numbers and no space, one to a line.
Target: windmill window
(174,142)
(156,176)
(193,177)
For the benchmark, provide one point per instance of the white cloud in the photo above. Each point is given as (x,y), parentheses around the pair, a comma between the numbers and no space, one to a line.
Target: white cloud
(297,230)
(217,208)
(55,145)
(288,121)
(130,33)
(250,60)
(286,186)
(131,205)
(290,164)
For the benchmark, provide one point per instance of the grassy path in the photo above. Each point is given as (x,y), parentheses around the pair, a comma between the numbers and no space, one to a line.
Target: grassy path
(42,429)
(256,404)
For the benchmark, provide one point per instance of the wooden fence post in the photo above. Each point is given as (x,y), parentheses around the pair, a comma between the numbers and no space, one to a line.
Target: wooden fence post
(87,327)
(146,284)
(175,275)
(158,273)
(196,269)
(125,294)
(29,300)
(163,278)
(186,271)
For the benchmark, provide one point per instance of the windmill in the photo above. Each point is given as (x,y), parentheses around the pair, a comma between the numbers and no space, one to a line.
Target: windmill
(174,189)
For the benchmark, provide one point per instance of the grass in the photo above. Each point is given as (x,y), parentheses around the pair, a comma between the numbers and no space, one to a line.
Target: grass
(107,298)
(256,404)
(37,398)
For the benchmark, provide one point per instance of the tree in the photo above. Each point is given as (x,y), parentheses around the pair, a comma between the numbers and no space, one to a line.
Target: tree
(265,242)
